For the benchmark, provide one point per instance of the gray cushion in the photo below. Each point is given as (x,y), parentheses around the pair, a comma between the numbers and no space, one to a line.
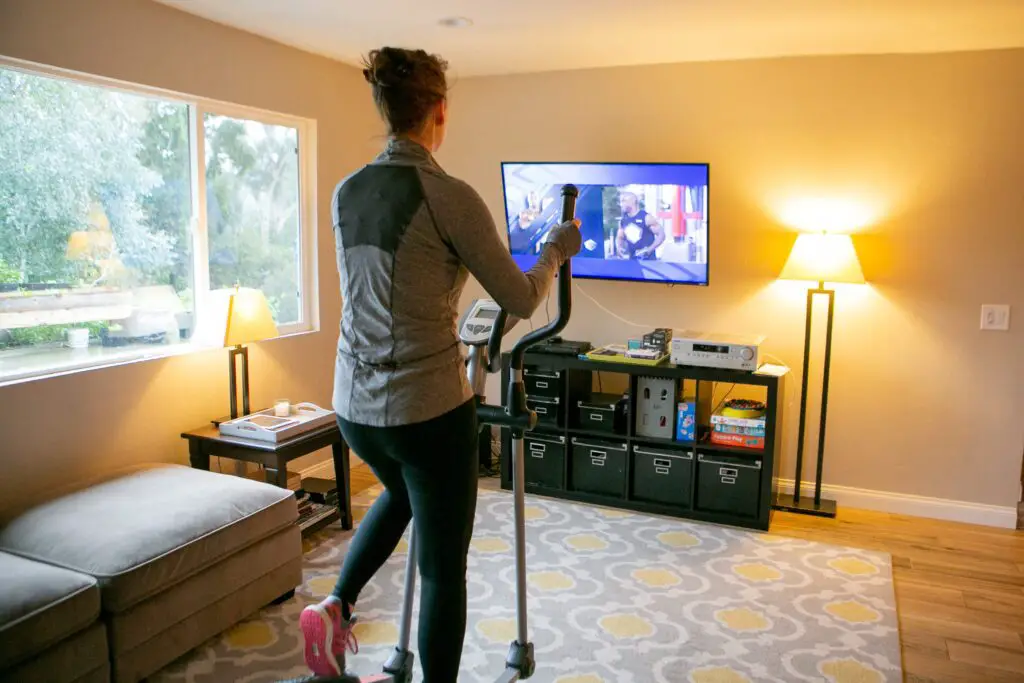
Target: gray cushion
(41,605)
(141,533)
(82,658)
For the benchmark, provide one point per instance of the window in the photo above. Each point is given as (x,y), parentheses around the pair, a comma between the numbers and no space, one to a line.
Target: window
(122,207)
(252,207)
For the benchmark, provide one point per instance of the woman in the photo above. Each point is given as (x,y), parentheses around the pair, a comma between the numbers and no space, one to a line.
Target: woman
(408,235)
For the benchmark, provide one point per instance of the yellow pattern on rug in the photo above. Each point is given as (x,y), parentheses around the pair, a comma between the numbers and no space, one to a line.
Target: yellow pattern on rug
(757,572)
(718,674)
(850,671)
(742,619)
(852,612)
(853,566)
(656,578)
(626,626)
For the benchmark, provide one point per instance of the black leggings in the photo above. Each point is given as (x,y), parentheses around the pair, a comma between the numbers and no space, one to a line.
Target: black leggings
(429,472)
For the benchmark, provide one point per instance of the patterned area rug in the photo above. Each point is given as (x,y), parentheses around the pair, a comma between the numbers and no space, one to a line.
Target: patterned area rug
(614,597)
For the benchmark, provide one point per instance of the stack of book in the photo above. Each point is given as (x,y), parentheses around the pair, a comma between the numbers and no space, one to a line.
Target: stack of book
(306,508)
(318,499)
(727,429)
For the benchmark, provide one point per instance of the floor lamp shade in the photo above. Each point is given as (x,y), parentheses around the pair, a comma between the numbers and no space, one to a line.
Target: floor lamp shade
(819,258)
(823,258)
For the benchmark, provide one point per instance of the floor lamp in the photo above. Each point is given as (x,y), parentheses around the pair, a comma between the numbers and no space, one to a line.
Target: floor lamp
(818,258)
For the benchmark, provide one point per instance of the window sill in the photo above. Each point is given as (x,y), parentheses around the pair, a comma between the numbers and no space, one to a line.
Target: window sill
(18,366)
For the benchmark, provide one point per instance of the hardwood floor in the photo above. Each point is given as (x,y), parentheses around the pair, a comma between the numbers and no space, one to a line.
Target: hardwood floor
(959,587)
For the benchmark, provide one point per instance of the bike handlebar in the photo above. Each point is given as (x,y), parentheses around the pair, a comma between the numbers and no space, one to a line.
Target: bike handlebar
(515,413)
(569,195)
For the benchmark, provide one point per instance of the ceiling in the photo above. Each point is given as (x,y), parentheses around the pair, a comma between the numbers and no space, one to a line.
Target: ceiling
(509,36)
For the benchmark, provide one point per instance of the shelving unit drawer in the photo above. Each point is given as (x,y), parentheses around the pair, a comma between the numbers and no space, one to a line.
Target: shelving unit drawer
(548,408)
(602,414)
(543,382)
(544,460)
(598,466)
(728,484)
(662,476)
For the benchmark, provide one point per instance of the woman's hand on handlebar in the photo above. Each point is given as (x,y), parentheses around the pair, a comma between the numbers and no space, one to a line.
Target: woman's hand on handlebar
(566,238)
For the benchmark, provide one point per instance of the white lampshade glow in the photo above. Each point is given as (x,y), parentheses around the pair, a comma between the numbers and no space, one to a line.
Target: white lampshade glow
(823,258)
(235,316)
(249,318)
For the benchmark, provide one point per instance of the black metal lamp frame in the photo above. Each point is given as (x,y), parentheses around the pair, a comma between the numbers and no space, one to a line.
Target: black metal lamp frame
(817,505)
(233,354)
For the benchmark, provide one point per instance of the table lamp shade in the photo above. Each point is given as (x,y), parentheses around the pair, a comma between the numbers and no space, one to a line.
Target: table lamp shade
(823,258)
(248,318)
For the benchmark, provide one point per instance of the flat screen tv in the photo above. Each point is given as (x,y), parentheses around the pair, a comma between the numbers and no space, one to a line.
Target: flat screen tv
(640,222)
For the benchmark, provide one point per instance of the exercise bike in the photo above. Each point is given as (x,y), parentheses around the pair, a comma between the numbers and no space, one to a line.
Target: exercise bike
(482,329)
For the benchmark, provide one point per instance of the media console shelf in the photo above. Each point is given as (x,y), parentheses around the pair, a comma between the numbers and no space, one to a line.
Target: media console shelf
(588,450)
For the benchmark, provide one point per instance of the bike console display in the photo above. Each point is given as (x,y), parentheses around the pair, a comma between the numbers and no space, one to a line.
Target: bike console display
(478,322)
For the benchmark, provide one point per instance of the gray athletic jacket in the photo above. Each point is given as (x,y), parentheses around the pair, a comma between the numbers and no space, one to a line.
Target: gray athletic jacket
(406,233)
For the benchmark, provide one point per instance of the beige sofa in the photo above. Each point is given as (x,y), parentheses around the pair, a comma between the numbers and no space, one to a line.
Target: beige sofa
(49,624)
(142,567)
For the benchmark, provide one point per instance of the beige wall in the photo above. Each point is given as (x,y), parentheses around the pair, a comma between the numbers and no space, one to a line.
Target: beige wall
(925,150)
(61,429)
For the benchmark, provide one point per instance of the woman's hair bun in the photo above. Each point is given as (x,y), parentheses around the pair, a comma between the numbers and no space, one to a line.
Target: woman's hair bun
(388,67)
(406,85)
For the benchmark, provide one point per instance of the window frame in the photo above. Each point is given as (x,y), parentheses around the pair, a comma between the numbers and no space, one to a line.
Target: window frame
(198,108)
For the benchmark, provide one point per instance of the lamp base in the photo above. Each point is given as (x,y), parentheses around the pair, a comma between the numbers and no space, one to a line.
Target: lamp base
(805,505)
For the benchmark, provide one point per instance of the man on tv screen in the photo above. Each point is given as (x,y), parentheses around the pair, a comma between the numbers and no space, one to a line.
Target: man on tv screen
(639,234)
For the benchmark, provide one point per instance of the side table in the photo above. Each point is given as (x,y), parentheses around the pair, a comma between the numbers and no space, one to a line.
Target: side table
(206,442)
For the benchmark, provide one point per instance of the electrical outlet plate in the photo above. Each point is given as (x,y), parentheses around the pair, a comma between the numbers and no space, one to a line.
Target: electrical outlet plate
(995,317)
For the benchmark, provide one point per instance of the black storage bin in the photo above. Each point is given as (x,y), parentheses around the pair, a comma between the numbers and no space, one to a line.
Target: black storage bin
(548,408)
(598,466)
(544,460)
(661,475)
(728,484)
(603,413)
(543,382)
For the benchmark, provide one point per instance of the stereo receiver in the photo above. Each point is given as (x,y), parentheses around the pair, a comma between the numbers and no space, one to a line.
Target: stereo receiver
(712,350)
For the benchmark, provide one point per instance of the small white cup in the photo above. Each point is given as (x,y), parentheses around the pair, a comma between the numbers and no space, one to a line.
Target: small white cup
(282,408)
(78,338)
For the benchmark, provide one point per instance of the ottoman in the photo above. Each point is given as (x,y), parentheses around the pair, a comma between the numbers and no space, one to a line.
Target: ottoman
(178,554)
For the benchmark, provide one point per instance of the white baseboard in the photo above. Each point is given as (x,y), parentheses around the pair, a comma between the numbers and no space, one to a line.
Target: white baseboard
(908,504)
(848,496)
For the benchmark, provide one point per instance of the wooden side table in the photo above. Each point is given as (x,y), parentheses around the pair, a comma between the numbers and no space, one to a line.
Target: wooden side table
(206,442)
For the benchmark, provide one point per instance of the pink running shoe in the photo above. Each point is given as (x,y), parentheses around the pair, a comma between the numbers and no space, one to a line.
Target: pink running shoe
(327,635)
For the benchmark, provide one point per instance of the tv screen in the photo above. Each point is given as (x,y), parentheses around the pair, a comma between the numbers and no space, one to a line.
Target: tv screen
(643,222)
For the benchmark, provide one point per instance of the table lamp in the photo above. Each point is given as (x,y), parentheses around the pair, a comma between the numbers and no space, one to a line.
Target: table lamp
(819,258)
(248,320)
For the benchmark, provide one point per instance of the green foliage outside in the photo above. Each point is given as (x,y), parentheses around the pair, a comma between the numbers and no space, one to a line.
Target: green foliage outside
(8,275)
(46,334)
(252,197)
(68,149)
